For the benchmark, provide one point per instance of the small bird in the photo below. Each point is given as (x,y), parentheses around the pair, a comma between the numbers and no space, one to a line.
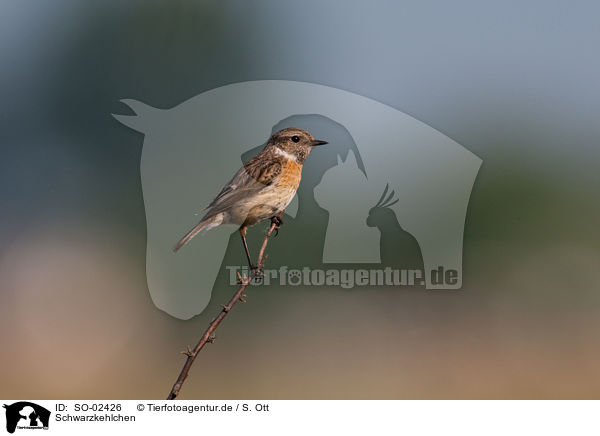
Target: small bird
(261,189)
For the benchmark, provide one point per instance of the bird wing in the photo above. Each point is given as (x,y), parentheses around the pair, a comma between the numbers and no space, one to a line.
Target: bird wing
(254,176)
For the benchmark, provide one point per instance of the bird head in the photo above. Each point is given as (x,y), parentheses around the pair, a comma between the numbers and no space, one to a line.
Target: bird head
(294,142)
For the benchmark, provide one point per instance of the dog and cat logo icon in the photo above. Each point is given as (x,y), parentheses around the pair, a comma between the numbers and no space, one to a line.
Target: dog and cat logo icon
(26,415)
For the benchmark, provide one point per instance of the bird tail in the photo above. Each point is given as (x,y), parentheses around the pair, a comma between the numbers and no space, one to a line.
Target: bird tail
(205,225)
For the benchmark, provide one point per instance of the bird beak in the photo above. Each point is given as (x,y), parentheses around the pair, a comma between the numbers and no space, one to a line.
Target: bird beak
(318,142)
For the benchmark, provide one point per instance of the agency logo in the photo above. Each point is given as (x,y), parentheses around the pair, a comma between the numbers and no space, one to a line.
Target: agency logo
(25,415)
(388,193)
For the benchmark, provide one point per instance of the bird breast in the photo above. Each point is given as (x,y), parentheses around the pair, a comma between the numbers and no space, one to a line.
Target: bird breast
(283,189)
(291,173)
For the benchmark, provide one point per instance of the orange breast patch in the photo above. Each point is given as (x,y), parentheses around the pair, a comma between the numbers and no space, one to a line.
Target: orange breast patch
(290,176)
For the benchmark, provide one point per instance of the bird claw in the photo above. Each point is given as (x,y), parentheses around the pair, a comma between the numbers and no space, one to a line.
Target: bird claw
(278,223)
(256,272)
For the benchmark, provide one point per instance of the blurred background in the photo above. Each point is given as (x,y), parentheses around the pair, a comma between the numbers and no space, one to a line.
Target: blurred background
(516,83)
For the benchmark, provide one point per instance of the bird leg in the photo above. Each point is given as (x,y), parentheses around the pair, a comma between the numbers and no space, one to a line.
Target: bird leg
(254,269)
(242,231)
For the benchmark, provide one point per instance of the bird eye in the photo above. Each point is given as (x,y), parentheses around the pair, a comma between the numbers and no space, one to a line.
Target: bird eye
(295,138)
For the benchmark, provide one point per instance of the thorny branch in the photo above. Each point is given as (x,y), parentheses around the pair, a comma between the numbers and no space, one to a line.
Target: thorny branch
(208,336)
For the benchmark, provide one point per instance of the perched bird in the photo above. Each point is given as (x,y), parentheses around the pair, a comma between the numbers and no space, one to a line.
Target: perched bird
(262,188)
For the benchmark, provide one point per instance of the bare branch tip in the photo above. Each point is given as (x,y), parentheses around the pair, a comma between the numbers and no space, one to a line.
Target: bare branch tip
(244,281)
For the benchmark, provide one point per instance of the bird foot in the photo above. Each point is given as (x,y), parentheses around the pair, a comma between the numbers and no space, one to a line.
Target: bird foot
(256,273)
(278,223)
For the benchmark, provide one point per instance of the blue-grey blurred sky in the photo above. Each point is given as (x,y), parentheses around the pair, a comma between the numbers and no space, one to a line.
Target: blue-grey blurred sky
(522,73)
(508,80)
(524,62)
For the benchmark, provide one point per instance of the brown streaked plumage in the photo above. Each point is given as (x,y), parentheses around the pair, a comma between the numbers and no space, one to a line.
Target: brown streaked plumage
(262,188)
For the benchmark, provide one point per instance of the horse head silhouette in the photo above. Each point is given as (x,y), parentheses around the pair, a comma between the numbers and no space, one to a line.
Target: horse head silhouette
(191,148)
